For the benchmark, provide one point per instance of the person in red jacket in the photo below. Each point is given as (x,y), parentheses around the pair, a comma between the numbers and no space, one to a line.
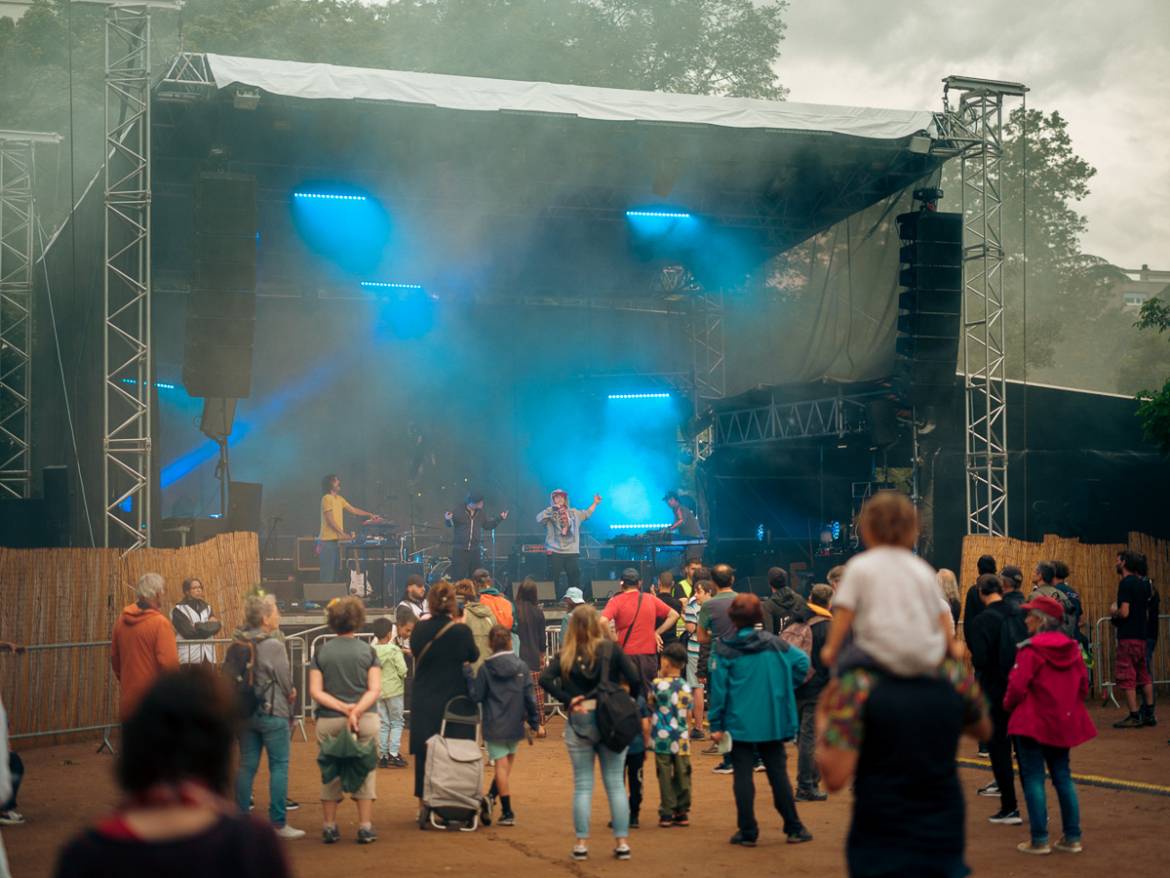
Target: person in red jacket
(1046,693)
(143,644)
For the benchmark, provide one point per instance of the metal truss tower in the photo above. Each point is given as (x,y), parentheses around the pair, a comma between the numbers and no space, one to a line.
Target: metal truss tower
(126,282)
(17,256)
(973,121)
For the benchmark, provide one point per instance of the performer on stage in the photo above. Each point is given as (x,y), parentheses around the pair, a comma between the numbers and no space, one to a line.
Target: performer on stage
(563,537)
(469,523)
(333,509)
(686,525)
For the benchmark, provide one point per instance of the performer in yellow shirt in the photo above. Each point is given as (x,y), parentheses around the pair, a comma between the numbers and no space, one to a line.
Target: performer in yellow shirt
(333,507)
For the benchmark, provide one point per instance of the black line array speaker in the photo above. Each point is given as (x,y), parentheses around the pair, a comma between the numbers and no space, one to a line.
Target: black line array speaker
(221,310)
(930,307)
(244,506)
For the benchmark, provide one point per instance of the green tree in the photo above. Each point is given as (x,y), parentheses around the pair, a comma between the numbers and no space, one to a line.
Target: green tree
(1154,405)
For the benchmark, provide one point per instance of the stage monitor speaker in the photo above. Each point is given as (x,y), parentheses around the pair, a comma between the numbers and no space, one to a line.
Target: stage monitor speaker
(244,506)
(324,592)
(286,591)
(55,490)
(546,591)
(219,414)
(927,346)
(602,589)
(221,309)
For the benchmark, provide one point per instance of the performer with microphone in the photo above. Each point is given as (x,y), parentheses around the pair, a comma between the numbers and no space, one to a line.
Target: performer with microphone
(563,537)
(469,523)
(333,509)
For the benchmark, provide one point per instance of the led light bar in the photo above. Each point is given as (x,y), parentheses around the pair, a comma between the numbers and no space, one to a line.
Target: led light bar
(638,526)
(379,285)
(639,396)
(660,214)
(329,196)
(159,384)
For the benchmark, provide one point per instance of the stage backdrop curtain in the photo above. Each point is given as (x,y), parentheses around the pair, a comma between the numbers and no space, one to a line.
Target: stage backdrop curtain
(332,82)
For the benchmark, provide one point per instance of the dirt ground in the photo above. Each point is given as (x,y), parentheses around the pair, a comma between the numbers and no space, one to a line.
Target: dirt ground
(67,787)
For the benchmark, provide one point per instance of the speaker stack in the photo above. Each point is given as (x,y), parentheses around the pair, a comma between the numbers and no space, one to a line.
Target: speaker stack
(930,307)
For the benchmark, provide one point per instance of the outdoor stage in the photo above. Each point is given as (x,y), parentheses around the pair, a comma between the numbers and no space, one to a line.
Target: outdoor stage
(69,787)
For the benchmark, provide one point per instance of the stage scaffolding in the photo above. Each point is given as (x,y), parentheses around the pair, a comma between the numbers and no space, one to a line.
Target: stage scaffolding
(126,282)
(973,125)
(17,258)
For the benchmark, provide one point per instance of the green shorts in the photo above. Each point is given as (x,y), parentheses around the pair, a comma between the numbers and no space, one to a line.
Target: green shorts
(500,749)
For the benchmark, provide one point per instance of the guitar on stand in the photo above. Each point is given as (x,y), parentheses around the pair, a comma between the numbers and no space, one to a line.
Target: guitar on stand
(371,540)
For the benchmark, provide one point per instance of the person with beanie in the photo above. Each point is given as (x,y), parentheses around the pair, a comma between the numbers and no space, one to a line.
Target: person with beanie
(562,536)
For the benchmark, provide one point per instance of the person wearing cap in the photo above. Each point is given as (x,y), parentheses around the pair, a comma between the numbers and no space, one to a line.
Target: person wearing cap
(639,620)
(573,598)
(686,525)
(562,536)
(468,523)
(1046,694)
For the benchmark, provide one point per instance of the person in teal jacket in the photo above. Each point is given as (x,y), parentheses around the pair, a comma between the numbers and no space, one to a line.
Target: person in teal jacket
(751,681)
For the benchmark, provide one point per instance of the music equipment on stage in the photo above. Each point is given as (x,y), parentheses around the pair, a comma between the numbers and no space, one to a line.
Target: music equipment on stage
(375,532)
(546,591)
(534,549)
(324,592)
(244,506)
(602,589)
(288,592)
(306,556)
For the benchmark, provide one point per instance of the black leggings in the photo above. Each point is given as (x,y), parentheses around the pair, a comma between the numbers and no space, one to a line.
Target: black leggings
(570,565)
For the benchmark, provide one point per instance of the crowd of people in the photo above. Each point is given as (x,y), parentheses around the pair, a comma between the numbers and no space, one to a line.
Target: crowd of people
(866,675)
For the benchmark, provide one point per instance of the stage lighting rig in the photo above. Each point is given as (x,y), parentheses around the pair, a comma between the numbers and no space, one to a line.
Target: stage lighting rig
(246,97)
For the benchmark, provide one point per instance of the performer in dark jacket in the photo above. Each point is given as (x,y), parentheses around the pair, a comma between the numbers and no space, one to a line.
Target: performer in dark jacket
(440,645)
(469,522)
(984,641)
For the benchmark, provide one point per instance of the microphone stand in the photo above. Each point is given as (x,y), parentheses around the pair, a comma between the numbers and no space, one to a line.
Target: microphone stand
(268,539)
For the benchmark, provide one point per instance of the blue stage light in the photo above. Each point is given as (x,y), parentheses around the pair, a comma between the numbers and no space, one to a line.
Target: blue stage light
(380,285)
(650,526)
(659,214)
(639,396)
(161,385)
(329,196)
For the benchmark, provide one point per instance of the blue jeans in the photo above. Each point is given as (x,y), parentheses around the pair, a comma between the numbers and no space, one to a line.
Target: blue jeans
(1033,756)
(269,733)
(330,559)
(583,740)
(391,719)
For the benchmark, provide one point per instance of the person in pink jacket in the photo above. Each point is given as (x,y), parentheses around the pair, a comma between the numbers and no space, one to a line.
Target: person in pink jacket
(1046,693)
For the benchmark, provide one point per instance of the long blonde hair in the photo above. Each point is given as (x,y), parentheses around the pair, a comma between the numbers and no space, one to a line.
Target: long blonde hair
(949,584)
(583,635)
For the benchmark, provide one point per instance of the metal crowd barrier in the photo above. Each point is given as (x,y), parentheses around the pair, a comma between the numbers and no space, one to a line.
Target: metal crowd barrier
(552,646)
(1103,647)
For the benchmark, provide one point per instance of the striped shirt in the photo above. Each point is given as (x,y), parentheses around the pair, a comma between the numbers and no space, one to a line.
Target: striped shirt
(691,617)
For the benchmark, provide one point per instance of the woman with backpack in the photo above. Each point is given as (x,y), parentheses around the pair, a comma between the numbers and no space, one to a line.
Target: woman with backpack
(589,658)
(264,669)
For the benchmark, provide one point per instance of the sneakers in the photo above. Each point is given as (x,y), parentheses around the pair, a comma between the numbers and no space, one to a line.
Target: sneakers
(723,768)
(991,791)
(397,762)
(1133,721)
(1068,847)
(1027,847)
(1006,818)
(811,796)
(330,834)
(759,766)
(289,832)
(682,818)
(665,822)
(383,761)
(290,805)
(580,852)
(506,819)
(366,836)
(633,822)
(1148,718)
(622,851)
(11,817)
(747,841)
(698,735)
(983,751)
(800,836)
(711,750)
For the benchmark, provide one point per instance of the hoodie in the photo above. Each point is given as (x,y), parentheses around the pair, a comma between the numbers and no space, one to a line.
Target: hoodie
(781,606)
(503,686)
(142,646)
(272,677)
(1046,692)
(750,686)
(561,537)
(480,619)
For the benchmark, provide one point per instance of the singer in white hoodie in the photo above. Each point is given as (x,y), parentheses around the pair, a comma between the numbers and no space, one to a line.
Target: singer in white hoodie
(563,537)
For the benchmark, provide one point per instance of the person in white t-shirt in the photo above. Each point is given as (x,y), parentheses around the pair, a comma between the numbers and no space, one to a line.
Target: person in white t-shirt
(889,599)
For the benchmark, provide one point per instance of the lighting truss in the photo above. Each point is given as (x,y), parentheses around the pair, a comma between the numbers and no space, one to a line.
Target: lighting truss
(17,219)
(809,419)
(126,282)
(974,125)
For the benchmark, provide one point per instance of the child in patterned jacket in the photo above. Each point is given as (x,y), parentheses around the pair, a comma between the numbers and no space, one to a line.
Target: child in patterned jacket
(671,704)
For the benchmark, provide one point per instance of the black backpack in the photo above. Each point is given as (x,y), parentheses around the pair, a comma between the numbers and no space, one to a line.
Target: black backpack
(617,712)
(239,666)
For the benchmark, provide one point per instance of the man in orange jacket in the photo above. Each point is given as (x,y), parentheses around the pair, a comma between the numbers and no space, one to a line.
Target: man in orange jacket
(143,644)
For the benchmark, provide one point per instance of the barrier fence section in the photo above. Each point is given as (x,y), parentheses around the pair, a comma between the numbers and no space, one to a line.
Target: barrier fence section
(1103,646)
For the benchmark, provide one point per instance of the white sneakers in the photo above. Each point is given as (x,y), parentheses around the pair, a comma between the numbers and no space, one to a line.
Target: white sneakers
(290,832)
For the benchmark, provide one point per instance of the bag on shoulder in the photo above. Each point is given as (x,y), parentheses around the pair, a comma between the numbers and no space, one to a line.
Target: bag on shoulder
(799,634)
(617,713)
(239,666)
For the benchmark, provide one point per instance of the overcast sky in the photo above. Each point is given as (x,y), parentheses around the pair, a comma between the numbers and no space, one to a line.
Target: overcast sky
(1104,65)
